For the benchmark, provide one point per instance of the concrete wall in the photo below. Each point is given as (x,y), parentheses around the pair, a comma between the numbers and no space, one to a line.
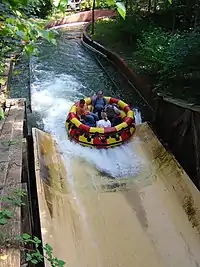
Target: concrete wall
(85,16)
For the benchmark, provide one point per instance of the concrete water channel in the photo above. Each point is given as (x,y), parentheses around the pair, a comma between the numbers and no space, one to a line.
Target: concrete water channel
(147,216)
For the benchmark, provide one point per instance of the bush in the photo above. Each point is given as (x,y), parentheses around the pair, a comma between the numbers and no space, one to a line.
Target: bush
(39,8)
(130,29)
(100,4)
(121,32)
(171,57)
(153,49)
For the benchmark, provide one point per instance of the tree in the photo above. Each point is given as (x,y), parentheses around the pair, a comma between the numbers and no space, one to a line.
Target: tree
(18,32)
(20,27)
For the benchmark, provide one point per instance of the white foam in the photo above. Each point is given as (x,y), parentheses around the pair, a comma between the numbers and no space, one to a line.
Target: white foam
(138,117)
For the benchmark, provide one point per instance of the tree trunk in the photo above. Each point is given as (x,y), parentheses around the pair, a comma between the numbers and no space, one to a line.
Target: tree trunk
(149,6)
(196,18)
(93,20)
(131,5)
(126,4)
(173,21)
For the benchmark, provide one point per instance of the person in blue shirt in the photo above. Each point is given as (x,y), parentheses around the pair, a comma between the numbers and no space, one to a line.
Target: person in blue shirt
(99,103)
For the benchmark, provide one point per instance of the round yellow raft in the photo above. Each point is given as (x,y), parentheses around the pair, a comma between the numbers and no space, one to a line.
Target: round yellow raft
(101,137)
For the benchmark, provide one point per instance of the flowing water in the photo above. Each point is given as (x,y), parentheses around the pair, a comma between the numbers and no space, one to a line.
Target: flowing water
(60,76)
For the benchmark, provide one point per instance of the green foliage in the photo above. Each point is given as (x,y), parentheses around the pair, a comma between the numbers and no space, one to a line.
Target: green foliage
(121,9)
(122,33)
(153,49)
(5,215)
(15,198)
(39,8)
(18,32)
(169,56)
(55,262)
(179,15)
(100,4)
(35,256)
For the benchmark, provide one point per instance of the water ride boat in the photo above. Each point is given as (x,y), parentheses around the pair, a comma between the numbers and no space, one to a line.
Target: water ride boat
(101,137)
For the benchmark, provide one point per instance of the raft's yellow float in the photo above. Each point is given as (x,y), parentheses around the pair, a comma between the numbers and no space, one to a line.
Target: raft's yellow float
(101,137)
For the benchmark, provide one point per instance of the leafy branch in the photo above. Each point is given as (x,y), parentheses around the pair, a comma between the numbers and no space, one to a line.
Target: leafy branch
(34,256)
(23,241)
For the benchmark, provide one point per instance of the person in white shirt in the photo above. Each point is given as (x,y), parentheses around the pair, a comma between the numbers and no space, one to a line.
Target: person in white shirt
(104,123)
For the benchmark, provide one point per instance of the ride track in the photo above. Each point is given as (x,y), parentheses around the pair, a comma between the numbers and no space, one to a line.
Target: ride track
(149,219)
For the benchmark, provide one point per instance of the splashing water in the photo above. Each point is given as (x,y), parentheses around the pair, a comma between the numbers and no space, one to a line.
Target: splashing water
(52,98)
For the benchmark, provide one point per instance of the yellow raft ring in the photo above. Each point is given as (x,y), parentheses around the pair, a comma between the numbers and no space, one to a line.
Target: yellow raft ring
(101,137)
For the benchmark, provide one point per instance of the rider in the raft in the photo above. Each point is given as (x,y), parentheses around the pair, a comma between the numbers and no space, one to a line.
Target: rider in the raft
(104,123)
(83,113)
(113,114)
(99,103)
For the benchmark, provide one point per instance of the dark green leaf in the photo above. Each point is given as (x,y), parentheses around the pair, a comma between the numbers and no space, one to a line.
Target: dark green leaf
(37,240)
(110,2)
(21,27)
(7,213)
(3,221)
(28,256)
(25,2)
(21,34)
(63,3)
(29,49)
(34,261)
(48,248)
(26,236)
(60,263)
(51,35)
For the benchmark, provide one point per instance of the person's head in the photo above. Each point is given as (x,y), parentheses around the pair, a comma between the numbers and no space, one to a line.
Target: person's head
(104,116)
(82,103)
(100,94)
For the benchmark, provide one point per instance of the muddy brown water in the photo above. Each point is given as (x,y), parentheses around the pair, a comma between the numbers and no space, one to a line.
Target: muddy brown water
(141,221)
